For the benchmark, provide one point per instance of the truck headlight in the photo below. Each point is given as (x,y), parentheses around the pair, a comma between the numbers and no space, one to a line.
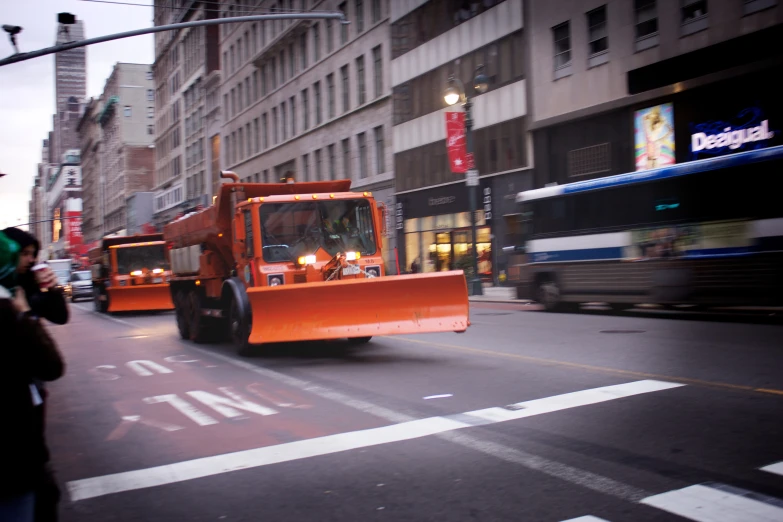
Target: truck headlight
(352,256)
(306,260)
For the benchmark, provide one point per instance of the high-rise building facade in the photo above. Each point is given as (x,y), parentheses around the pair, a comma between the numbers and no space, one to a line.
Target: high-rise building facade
(184,61)
(128,133)
(70,84)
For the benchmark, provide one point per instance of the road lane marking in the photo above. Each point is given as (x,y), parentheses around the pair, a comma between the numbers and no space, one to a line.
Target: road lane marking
(586,518)
(536,463)
(602,369)
(776,468)
(207,466)
(703,503)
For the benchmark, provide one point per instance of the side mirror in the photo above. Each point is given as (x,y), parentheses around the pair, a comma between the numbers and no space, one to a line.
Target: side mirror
(384,216)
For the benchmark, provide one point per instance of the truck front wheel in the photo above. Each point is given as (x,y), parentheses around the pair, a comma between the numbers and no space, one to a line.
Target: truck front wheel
(239,328)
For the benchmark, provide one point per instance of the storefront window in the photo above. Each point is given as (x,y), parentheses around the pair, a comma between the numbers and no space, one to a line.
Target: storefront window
(444,242)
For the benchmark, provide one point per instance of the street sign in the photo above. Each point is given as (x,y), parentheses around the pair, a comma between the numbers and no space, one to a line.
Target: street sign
(472,178)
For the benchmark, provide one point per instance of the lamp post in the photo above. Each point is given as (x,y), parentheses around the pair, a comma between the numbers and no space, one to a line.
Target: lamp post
(455,92)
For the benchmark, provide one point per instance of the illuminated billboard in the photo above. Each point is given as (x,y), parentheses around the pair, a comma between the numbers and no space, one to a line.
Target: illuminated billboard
(654,137)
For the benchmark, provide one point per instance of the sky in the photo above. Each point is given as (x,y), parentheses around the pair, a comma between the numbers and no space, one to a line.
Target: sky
(27,88)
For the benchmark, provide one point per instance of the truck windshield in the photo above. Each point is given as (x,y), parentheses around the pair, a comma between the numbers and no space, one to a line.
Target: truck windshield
(290,230)
(147,257)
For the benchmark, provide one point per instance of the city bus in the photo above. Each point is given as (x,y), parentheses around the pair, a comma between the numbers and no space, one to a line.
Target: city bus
(704,233)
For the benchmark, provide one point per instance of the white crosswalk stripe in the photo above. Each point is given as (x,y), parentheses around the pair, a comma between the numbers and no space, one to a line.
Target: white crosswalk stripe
(586,518)
(776,468)
(704,503)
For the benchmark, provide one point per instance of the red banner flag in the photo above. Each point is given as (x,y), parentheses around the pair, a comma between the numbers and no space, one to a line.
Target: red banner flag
(455,142)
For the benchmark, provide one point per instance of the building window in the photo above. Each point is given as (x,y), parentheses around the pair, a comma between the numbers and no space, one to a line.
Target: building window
(151,112)
(693,9)
(291,61)
(347,158)
(376,11)
(694,16)
(284,120)
(562,39)
(318,165)
(303,50)
(150,94)
(361,92)
(151,129)
(359,16)
(265,129)
(346,88)
(329,37)
(305,111)
(362,139)
(275,127)
(343,27)
(330,94)
(596,23)
(149,75)
(752,6)
(316,43)
(258,136)
(305,168)
(378,71)
(646,24)
(317,91)
(332,166)
(292,105)
(127,111)
(380,151)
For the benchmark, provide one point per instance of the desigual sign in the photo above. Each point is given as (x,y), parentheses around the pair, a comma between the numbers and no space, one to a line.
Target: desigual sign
(716,138)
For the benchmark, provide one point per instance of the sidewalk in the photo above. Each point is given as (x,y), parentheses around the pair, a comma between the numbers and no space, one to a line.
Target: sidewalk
(499,294)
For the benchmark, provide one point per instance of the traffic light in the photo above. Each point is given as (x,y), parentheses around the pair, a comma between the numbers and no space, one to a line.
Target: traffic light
(66,18)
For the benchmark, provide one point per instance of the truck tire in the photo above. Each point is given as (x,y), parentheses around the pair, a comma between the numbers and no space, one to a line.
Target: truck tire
(96,298)
(102,305)
(239,330)
(196,322)
(180,310)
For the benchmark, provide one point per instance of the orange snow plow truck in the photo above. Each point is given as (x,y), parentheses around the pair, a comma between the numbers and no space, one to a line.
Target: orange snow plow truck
(278,262)
(130,273)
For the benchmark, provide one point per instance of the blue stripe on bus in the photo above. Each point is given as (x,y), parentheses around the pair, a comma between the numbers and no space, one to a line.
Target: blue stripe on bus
(681,169)
(720,252)
(616,253)
(586,254)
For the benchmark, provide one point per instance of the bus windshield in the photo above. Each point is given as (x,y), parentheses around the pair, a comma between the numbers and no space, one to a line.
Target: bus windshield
(290,230)
(147,257)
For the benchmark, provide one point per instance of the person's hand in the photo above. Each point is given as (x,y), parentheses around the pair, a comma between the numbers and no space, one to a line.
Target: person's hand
(19,301)
(46,278)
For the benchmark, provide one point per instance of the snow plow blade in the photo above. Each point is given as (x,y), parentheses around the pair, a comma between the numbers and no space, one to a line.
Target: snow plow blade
(407,304)
(140,298)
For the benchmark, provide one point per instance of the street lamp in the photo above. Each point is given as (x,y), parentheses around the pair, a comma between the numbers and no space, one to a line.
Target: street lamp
(454,93)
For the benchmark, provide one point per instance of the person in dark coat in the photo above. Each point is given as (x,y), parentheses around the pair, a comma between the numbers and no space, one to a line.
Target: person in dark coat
(28,492)
(50,305)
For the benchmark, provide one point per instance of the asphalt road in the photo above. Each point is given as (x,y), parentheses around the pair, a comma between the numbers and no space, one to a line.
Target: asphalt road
(527,416)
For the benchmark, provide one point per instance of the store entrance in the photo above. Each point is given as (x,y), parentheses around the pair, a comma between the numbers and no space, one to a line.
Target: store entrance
(452,251)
